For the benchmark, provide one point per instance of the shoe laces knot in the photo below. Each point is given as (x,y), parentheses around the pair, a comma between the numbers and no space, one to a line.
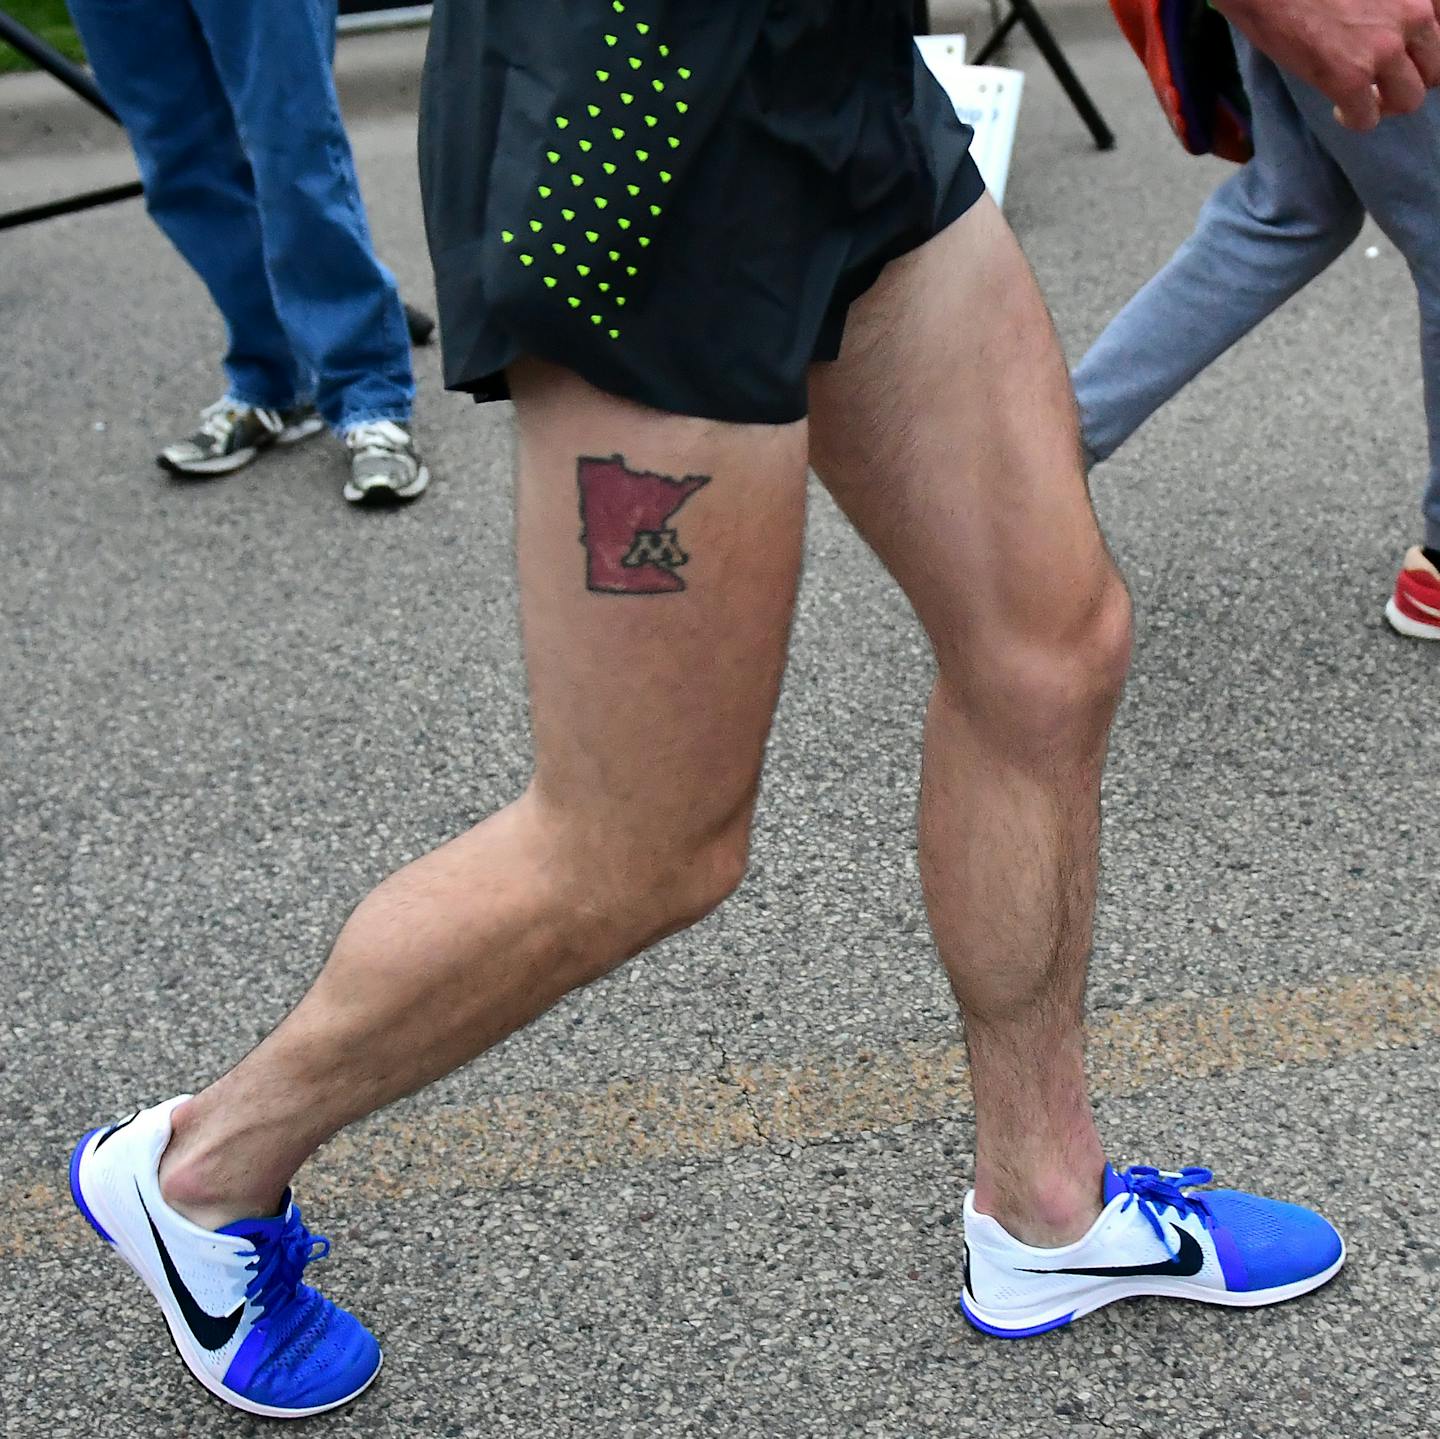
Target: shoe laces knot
(1156,1190)
(377,439)
(277,1263)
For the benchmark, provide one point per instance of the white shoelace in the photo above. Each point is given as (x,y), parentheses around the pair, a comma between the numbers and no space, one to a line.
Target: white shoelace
(219,420)
(377,438)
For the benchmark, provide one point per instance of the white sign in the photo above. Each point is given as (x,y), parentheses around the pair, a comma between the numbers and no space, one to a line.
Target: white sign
(985,97)
(941,50)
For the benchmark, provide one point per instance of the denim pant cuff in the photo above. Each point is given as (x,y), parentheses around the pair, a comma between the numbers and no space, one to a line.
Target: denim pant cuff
(373,417)
(264,402)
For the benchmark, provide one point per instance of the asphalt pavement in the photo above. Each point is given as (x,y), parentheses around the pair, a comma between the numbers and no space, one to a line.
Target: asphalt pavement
(718,1194)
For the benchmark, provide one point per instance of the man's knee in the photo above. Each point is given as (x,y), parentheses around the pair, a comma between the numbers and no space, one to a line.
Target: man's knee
(1333,229)
(1047,679)
(633,878)
(702,870)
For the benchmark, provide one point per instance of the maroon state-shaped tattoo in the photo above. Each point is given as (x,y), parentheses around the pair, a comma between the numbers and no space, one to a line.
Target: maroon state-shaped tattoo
(630,546)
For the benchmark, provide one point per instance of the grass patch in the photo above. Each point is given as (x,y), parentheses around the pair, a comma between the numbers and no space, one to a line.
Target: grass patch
(50,20)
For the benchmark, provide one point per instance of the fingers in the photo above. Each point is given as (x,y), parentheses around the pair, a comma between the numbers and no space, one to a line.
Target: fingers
(1404,78)
(1424,48)
(1407,68)
(1400,89)
(1359,109)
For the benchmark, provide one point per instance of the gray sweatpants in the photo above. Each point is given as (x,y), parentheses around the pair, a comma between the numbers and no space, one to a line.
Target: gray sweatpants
(1266,232)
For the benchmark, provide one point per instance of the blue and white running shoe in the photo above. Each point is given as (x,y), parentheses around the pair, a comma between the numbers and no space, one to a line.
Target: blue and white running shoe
(246,1326)
(1156,1235)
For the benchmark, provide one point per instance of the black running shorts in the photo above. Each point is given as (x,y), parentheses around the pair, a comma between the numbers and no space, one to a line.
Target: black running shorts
(677,199)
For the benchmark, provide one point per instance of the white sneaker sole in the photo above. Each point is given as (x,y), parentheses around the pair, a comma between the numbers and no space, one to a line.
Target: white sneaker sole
(1022,1324)
(293,434)
(1401,622)
(220,465)
(228,464)
(413,490)
(112,1228)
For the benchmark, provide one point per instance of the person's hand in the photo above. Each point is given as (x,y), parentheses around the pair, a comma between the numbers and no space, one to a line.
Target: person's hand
(1371,57)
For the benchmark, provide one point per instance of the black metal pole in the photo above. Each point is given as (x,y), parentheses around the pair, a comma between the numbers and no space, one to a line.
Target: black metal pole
(420,325)
(43,54)
(70,204)
(1049,47)
(996,38)
(1023,12)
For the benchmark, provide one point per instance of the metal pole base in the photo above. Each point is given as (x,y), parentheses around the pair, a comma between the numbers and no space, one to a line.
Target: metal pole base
(421,326)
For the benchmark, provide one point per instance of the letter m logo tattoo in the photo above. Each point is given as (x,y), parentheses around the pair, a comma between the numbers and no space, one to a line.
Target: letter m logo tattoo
(655,547)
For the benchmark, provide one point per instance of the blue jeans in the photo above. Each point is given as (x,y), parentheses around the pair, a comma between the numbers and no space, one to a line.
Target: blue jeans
(230,106)
(1263,235)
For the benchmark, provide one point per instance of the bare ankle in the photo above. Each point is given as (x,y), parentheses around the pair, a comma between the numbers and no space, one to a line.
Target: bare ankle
(200,1180)
(1043,1213)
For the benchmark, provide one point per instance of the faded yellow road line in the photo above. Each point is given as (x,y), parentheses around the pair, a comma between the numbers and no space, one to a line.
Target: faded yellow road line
(518,1138)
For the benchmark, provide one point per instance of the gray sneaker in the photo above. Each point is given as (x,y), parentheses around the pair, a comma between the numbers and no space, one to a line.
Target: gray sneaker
(231,434)
(384,464)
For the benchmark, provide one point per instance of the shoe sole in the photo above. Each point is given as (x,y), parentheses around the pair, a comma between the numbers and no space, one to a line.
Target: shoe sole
(228,464)
(94,1215)
(221,465)
(412,491)
(293,434)
(1403,624)
(1001,1327)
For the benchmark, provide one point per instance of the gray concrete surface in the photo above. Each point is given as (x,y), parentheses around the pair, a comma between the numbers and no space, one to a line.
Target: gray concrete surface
(689,1201)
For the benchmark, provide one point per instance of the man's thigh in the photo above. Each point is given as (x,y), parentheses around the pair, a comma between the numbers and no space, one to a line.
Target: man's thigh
(658,563)
(1394,169)
(947,432)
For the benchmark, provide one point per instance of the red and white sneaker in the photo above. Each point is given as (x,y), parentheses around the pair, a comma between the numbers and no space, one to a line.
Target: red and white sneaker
(1414,608)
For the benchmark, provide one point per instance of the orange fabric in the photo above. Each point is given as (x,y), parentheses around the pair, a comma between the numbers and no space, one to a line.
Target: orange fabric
(1141,23)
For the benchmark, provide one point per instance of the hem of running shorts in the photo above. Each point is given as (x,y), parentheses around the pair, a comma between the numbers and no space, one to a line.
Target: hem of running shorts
(488,382)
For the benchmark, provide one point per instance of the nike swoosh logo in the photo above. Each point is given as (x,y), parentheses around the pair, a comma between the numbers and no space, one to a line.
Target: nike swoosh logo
(115,1129)
(211,1331)
(1190,1260)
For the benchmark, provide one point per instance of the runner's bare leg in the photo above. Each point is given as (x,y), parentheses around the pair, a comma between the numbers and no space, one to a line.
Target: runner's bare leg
(946,431)
(650,713)
(496,926)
